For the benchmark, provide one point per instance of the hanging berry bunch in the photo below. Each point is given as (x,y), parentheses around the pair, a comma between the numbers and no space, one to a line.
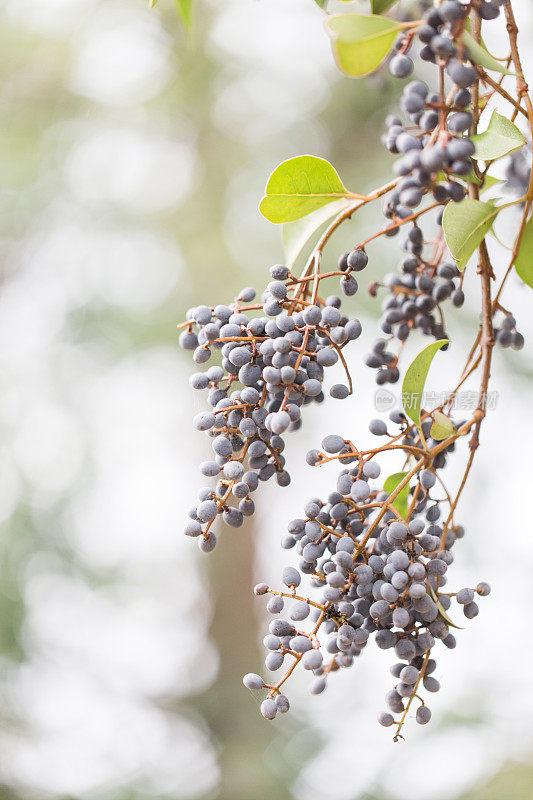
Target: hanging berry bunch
(277,360)
(377,552)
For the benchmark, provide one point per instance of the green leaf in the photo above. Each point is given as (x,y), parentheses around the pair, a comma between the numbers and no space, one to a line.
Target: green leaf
(361,42)
(299,186)
(152,3)
(440,607)
(321,3)
(471,177)
(442,427)
(524,260)
(487,182)
(480,56)
(490,181)
(295,235)
(500,138)
(401,501)
(465,225)
(185,12)
(380,6)
(415,379)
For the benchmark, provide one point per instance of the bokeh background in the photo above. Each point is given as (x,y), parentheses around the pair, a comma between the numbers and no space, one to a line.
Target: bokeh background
(131,161)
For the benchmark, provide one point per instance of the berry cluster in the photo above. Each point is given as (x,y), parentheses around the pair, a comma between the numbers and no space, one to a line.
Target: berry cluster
(430,160)
(380,575)
(413,303)
(441,43)
(435,157)
(376,552)
(434,150)
(435,154)
(506,334)
(278,360)
(518,172)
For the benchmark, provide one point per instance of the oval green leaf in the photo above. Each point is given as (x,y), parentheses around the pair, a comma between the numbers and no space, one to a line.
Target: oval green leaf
(361,42)
(442,427)
(415,379)
(299,186)
(486,183)
(400,502)
(500,138)
(295,235)
(471,177)
(524,260)
(478,54)
(489,182)
(465,225)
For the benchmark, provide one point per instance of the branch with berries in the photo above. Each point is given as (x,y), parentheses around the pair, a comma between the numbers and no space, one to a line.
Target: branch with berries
(377,551)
